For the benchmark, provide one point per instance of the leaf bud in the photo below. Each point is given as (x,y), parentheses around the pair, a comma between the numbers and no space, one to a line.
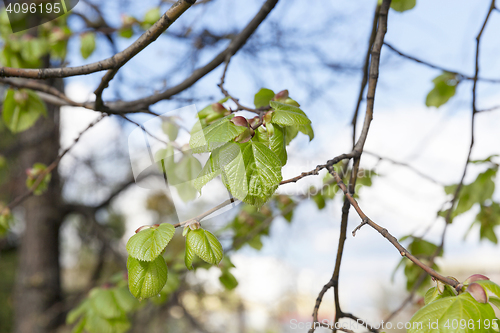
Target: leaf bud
(477,291)
(219,108)
(281,96)
(240,121)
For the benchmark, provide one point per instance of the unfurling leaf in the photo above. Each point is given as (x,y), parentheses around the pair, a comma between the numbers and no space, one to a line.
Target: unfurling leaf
(146,278)
(263,97)
(288,115)
(149,243)
(205,245)
(215,135)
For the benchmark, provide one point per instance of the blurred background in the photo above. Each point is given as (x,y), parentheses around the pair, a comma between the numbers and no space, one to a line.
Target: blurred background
(76,232)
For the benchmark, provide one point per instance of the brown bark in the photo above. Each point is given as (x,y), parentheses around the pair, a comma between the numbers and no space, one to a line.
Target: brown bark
(38,290)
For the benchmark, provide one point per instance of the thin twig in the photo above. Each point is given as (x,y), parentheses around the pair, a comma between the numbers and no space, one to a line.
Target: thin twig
(428,64)
(51,167)
(115,61)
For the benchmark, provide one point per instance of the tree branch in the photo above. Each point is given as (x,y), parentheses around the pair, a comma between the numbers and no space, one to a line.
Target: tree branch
(232,48)
(116,61)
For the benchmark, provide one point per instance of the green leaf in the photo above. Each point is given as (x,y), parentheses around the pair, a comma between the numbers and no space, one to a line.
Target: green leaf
(77,312)
(171,129)
(444,88)
(263,97)
(307,130)
(215,135)
(21,109)
(478,191)
(149,243)
(273,136)
(442,313)
(228,280)
(80,326)
(104,303)
(87,47)
(488,219)
(495,301)
(124,299)
(253,176)
(205,245)
(189,254)
(433,294)
(403,5)
(288,115)
(126,32)
(94,323)
(146,278)
(319,199)
(187,170)
(152,16)
(491,286)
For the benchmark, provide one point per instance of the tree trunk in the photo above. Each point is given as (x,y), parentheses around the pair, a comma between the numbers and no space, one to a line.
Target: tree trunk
(37,292)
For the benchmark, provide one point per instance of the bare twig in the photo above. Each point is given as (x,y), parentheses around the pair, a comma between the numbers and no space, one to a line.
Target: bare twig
(232,48)
(384,232)
(390,160)
(51,167)
(115,61)
(428,64)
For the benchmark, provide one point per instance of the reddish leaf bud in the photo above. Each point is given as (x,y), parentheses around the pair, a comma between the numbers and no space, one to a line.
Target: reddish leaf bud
(219,108)
(474,278)
(281,96)
(477,291)
(240,121)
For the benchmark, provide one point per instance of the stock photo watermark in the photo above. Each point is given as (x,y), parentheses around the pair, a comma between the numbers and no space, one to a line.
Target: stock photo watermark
(26,14)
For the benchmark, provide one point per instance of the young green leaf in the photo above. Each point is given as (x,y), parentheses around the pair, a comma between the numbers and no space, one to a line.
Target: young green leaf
(87,47)
(189,254)
(104,303)
(146,278)
(263,97)
(444,88)
(254,175)
(21,109)
(444,312)
(205,245)
(149,243)
(152,16)
(33,174)
(403,5)
(288,115)
(215,135)
(228,280)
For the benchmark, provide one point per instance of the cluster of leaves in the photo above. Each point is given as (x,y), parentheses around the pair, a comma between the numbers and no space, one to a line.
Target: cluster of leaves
(468,310)
(26,51)
(106,309)
(248,154)
(479,192)
(147,269)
